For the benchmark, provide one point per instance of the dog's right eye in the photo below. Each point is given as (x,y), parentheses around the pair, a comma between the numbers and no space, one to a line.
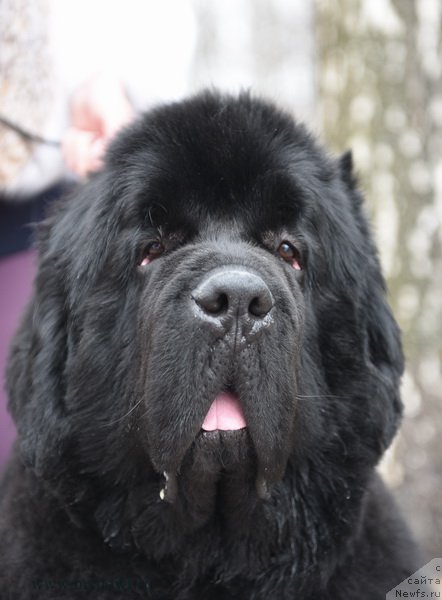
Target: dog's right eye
(151,251)
(290,254)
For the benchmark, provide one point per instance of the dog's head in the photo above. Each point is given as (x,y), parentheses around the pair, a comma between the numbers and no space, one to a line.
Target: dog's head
(209,306)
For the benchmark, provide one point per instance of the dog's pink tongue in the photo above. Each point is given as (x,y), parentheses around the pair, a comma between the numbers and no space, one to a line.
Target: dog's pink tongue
(224,414)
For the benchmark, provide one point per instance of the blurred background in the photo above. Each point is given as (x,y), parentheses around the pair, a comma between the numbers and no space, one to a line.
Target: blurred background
(363,74)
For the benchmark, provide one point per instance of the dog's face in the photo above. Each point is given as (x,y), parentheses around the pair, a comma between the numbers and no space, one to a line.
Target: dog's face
(210,307)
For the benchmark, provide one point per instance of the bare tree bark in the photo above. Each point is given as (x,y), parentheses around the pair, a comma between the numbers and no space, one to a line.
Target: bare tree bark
(380,93)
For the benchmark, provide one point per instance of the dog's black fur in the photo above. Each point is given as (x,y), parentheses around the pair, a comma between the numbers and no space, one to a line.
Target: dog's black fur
(113,370)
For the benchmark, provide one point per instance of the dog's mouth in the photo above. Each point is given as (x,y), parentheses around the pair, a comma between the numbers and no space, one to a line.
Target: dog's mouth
(225,414)
(222,444)
(236,435)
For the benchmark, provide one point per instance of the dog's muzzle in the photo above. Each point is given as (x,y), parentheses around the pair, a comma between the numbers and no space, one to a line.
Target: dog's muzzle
(234,301)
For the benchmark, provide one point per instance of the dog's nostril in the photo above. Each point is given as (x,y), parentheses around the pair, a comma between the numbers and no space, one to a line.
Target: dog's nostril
(213,303)
(261,305)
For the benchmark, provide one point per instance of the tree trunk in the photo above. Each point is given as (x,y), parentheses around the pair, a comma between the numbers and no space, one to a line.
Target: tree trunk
(380,79)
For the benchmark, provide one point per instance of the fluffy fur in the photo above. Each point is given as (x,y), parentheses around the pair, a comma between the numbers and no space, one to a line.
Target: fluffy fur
(112,372)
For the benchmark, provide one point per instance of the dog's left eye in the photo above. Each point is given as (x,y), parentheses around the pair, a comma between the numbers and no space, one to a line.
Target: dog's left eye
(150,252)
(290,254)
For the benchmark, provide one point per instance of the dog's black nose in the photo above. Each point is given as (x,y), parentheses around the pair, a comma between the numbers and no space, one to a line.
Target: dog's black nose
(234,295)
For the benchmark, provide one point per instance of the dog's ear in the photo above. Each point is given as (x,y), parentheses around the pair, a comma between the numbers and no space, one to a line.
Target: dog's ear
(385,354)
(383,340)
(35,379)
(40,351)
(346,168)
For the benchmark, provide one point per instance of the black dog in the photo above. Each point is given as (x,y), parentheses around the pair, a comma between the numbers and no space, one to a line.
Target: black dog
(206,376)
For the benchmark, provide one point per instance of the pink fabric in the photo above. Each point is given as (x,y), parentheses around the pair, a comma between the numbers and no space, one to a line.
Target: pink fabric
(16,275)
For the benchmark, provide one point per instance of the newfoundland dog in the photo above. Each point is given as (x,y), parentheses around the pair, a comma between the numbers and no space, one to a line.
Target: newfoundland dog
(206,376)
